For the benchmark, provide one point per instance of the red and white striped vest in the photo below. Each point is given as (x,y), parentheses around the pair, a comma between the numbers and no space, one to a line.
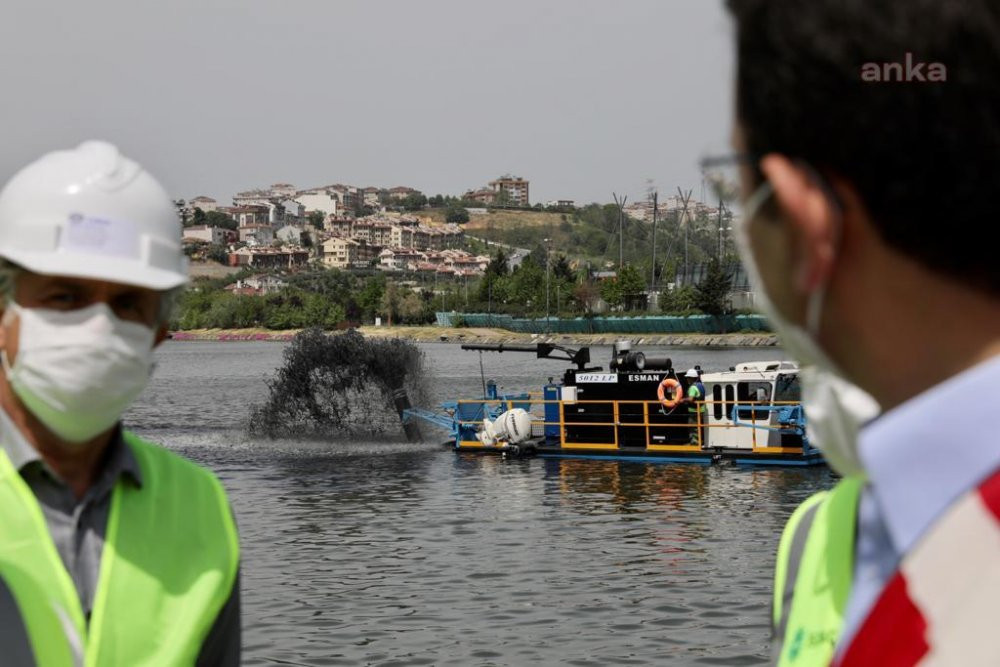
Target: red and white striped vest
(940,607)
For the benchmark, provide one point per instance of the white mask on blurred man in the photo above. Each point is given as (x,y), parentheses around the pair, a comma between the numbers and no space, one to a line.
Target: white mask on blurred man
(77,371)
(835,408)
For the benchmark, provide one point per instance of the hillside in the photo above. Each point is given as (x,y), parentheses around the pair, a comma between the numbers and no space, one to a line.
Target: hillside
(499,219)
(590,235)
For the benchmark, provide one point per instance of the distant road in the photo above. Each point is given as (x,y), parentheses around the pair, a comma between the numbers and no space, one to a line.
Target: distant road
(516,255)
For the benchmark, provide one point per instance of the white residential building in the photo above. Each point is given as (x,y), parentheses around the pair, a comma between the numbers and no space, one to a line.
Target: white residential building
(283,190)
(206,204)
(257,235)
(319,200)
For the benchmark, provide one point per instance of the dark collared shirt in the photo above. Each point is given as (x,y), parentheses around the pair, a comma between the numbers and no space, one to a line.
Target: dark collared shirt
(78,528)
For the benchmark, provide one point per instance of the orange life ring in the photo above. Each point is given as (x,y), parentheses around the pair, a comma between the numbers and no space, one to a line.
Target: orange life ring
(678,392)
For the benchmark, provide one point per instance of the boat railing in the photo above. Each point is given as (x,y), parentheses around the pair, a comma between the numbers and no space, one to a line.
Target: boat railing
(789,414)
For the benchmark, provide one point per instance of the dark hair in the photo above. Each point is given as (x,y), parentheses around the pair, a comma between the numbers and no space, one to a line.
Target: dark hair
(923,155)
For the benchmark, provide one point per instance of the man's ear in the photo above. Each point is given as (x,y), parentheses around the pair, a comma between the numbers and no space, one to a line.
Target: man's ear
(161,335)
(808,210)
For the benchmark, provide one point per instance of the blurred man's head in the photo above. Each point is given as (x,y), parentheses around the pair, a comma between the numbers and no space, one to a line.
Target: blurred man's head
(90,258)
(883,179)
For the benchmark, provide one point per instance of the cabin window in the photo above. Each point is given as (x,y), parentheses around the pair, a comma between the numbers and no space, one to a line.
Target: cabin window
(717,401)
(786,388)
(730,397)
(757,394)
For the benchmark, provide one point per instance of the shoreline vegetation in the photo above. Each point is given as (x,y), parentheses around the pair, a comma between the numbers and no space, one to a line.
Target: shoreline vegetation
(436,334)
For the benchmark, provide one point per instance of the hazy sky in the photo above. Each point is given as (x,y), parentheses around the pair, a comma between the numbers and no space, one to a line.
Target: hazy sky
(582,97)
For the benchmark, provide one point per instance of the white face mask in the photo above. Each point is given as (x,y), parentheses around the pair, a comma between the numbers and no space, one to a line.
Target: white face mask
(77,371)
(835,408)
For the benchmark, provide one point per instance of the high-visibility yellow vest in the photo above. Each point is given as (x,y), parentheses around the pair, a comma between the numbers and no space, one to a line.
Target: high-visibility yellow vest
(694,393)
(813,576)
(47,629)
(170,559)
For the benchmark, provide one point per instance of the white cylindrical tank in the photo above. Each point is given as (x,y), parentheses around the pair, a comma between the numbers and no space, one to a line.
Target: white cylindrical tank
(512,427)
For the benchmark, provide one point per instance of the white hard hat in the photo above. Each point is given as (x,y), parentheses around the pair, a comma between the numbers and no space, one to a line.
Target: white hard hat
(692,373)
(92,213)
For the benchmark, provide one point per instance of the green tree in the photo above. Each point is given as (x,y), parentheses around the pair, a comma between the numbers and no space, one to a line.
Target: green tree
(584,296)
(414,201)
(217,253)
(198,216)
(391,298)
(499,265)
(679,301)
(611,291)
(491,287)
(369,300)
(456,214)
(626,290)
(633,287)
(527,286)
(191,309)
(316,219)
(562,270)
(219,219)
(713,290)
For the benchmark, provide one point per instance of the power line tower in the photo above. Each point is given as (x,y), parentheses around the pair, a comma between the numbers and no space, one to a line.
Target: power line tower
(686,221)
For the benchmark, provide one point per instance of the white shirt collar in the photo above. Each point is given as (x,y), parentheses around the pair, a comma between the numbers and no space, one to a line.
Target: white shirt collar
(928,451)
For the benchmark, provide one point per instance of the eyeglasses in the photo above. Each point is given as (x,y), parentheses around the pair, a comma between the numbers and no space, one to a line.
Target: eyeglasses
(725,176)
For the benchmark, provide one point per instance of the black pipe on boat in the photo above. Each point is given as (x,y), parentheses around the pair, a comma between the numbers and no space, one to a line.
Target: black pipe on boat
(402,402)
(658,363)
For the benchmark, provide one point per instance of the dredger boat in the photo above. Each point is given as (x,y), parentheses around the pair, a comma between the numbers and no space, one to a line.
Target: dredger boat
(635,411)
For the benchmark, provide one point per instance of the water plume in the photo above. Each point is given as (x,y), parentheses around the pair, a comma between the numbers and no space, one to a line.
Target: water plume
(339,386)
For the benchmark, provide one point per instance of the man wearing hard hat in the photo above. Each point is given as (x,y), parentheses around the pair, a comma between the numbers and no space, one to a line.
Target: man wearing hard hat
(695,399)
(113,551)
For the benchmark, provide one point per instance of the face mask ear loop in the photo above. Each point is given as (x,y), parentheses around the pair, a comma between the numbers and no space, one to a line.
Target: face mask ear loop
(814,311)
(814,306)
(9,312)
(7,370)
(756,200)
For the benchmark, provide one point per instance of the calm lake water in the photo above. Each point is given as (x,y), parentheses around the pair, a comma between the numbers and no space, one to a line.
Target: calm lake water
(390,553)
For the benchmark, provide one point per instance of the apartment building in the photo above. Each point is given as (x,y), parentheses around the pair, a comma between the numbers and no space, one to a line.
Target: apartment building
(342,253)
(515,187)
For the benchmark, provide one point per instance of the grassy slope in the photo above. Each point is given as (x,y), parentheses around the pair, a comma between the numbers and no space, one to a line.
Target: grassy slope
(499,219)
(524,229)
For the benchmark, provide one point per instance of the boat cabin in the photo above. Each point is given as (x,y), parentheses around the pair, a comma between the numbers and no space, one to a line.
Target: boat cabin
(747,405)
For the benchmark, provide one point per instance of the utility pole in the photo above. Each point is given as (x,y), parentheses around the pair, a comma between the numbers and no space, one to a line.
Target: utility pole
(652,271)
(720,229)
(546,241)
(620,203)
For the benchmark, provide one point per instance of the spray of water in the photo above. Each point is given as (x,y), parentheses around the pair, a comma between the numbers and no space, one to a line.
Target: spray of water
(339,386)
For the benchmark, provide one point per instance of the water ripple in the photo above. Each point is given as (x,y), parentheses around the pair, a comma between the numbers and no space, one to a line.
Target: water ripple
(388,553)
